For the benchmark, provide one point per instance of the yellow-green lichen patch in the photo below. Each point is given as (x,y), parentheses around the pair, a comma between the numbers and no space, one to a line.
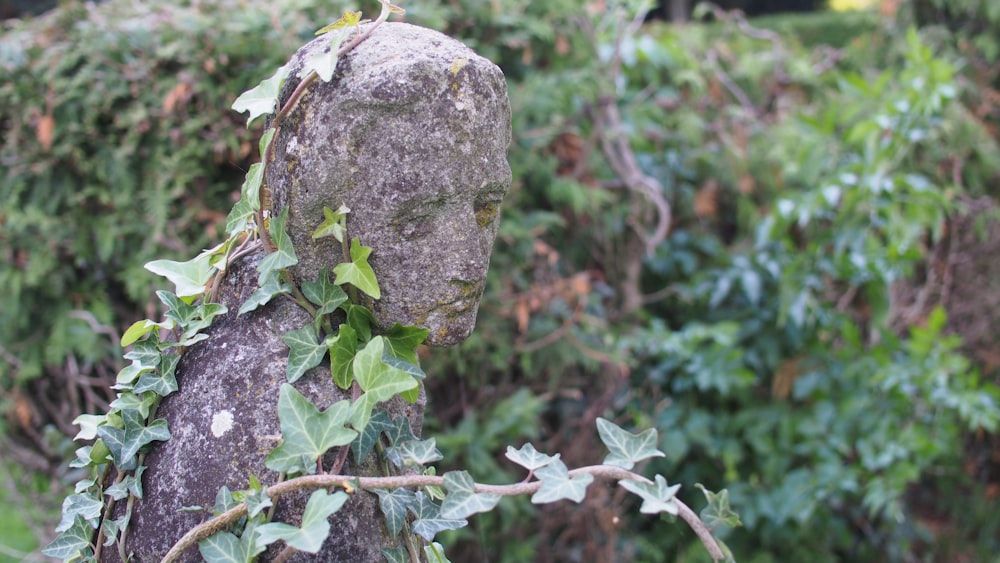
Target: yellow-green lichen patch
(486,213)
(457,65)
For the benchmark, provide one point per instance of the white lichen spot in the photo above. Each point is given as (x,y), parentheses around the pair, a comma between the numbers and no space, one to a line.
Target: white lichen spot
(460,106)
(222,422)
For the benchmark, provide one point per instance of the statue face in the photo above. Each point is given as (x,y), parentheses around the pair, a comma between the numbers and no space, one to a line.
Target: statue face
(416,148)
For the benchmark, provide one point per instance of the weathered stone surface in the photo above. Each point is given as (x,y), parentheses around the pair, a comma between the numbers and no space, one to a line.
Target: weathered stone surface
(411,134)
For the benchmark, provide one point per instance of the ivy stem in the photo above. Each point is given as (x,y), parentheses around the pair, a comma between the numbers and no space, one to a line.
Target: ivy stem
(220,522)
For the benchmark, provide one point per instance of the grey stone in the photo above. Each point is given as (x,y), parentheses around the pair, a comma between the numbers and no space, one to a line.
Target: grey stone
(411,134)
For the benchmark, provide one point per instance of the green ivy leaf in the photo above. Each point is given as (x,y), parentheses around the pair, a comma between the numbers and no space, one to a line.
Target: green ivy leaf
(284,253)
(333,224)
(558,485)
(81,505)
(306,432)
(429,521)
(130,401)
(656,497)
(529,458)
(463,500)
(131,484)
(626,448)
(88,425)
(325,62)
(163,383)
(269,287)
(125,443)
(324,294)
(315,527)
(263,98)
(400,431)
(239,217)
(396,554)
(303,352)
(138,330)
(402,342)
(361,320)
(224,501)
(223,547)
(435,553)
(226,547)
(358,272)
(189,278)
(394,505)
(342,348)
(71,543)
(376,378)
(363,444)
(349,19)
(251,185)
(718,512)
(419,452)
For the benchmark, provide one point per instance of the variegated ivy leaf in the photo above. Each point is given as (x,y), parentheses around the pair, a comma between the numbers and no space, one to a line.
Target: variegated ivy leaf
(558,485)
(262,99)
(126,442)
(315,526)
(304,352)
(394,505)
(463,500)
(429,520)
(627,448)
(528,457)
(656,497)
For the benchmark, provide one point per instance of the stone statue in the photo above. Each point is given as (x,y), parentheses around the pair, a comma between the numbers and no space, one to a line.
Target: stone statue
(411,134)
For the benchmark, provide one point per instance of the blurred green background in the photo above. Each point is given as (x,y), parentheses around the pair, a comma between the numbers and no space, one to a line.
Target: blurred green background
(771,238)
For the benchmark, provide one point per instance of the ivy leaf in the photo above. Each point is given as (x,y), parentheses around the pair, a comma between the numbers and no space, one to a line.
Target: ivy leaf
(223,501)
(163,383)
(223,547)
(656,497)
(360,319)
(463,500)
(303,352)
(131,484)
(324,294)
(324,63)
(363,444)
(435,553)
(189,278)
(413,370)
(394,504)
(529,458)
(88,425)
(626,448)
(284,253)
(226,547)
(306,432)
(333,224)
(82,505)
(378,380)
(71,542)
(718,512)
(419,452)
(342,348)
(402,342)
(349,19)
(262,98)
(130,401)
(358,272)
(125,443)
(251,185)
(238,218)
(429,521)
(400,431)
(138,330)
(270,286)
(396,554)
(558,485)
(315,527)
(256,498)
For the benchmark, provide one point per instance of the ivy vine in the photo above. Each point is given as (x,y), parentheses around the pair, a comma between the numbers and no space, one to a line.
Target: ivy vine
(416,503)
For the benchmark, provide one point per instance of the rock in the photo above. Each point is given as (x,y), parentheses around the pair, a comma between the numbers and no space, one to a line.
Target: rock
(411,134)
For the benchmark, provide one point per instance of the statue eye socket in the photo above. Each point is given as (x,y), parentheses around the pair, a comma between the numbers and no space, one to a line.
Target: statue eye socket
(486,211)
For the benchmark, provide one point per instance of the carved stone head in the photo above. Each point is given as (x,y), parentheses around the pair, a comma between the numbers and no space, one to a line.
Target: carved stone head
(411,134)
